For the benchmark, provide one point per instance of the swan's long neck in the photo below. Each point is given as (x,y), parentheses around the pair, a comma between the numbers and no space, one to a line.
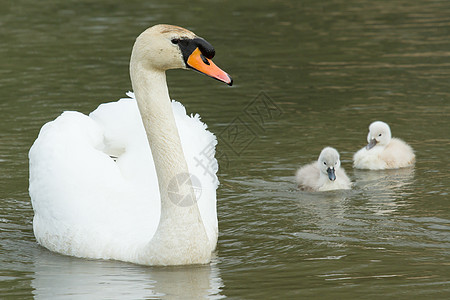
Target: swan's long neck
(181,237)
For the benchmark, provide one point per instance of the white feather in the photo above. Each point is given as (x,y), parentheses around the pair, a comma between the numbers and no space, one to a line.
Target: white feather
(86,203)
(388,152)
(314,176)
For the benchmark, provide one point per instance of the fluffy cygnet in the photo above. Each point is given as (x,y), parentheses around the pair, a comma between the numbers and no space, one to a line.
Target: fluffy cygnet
(383,151)
(324,174)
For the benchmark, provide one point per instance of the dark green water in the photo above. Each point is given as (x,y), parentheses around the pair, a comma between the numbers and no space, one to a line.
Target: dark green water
(328,68)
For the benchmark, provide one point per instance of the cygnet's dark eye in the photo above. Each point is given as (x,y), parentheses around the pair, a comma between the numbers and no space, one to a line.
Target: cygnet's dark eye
(379,134)
(175,41)
(324,162)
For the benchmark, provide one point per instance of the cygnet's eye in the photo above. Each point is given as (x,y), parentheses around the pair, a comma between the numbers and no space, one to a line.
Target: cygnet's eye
(325,163)
(175,41)
(379,134)
(335,163)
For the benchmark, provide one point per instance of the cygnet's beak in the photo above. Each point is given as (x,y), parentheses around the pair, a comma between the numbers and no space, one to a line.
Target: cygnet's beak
(371,144)
(331,174)
(199,62)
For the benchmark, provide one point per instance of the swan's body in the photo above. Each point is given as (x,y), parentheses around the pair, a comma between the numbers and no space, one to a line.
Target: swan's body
(325,174)
(383,151)
(141,208)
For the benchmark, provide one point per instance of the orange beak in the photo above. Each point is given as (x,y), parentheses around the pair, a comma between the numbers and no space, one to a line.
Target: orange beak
(206,66)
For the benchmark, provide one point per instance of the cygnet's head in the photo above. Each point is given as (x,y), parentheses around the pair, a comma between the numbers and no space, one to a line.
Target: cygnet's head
(379,134)
(164,47)
(329,162)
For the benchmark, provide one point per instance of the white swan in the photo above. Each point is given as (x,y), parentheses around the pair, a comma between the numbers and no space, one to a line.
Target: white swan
(324,174)
(383,151)
(140,207)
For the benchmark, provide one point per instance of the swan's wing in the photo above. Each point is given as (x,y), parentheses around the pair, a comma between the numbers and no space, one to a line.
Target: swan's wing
(123,129)
(124,134)
(199,150)
(81,196)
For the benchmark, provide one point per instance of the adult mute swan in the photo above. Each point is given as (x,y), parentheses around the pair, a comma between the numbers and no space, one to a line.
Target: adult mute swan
(155,203)
(383,151)
(325,174)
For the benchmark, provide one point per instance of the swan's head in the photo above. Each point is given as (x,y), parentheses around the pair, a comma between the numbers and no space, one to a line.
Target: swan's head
(379,134)
(164,47)
(329,162)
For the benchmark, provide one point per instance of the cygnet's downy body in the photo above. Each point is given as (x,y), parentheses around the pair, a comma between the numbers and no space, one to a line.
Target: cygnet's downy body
(383,151)
(324,174)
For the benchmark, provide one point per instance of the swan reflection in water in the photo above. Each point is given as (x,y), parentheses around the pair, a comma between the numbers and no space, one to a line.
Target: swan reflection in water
(337,217)
(385,191)
(61,277)
(382,191)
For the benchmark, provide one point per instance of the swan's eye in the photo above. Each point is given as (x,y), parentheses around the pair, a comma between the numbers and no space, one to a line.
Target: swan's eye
(175,41)
(335,163)
(325,163)
(379,134)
